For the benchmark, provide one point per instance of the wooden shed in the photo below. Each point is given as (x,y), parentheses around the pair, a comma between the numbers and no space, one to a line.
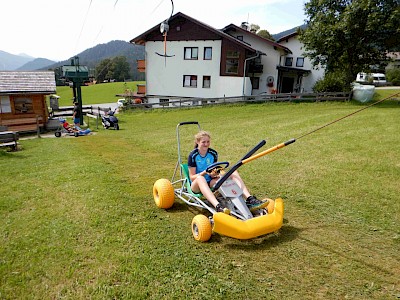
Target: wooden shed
(23,94)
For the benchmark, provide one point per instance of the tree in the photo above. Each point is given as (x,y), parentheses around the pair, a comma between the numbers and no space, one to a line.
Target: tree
(265,34)
(121,68)
(103,70)
(351,35)
(117,68)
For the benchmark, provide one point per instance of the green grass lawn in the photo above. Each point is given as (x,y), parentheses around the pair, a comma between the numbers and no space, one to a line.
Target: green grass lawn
(96,94)
(78,220)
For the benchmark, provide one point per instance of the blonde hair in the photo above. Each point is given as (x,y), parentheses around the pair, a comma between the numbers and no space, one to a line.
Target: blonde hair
(201,134)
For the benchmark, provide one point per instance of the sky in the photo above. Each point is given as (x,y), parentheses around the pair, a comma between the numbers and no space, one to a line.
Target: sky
(58,30)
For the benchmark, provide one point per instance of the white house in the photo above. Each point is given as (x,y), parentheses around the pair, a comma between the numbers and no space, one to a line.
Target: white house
(295,68)
(197,60)
(262,70)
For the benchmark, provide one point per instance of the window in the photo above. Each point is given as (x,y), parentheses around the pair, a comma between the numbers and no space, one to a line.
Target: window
(300,62)
(255,82)
(191,53)
(23,105)
(5,106)
(164,102)
(288,61)
(189,80)
(206,81)
(207,53)
(232,62)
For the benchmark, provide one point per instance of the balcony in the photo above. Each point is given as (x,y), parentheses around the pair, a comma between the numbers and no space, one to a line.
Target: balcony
(141,89)
(255,69)
(141,65)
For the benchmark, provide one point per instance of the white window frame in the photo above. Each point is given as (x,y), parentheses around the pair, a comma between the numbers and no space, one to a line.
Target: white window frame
(190,81)
(300,62)
(5,105)
(206,86)
(207,57)
(191,53)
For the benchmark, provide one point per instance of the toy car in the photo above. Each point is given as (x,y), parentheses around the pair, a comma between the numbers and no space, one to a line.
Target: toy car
(241,223)
(67,129)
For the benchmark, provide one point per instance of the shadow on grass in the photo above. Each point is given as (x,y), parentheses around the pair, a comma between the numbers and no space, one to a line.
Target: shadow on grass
(11,154)
(180,207)
(286,234)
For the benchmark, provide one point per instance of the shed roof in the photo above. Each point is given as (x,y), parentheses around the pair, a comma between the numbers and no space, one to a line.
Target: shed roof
(33,82)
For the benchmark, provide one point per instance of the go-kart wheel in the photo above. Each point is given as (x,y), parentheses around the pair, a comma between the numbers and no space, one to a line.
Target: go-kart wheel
(57,133)
(116,126)
(201,228)
(163,193)
(76,134)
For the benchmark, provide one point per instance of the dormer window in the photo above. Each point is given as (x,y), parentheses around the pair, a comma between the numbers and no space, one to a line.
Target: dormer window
(288,61)
(300,62)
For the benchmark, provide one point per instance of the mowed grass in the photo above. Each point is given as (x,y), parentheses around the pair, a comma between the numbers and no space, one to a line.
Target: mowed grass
(96,94)
(78,220)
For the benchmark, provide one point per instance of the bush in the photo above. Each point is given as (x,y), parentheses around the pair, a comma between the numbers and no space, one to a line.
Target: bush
(332,82)
(393,76)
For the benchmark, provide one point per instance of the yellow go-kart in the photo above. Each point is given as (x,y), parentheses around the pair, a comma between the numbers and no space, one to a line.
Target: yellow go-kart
(241,223)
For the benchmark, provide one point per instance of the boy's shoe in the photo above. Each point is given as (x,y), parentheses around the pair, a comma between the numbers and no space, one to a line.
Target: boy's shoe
(223,209)
(253,203)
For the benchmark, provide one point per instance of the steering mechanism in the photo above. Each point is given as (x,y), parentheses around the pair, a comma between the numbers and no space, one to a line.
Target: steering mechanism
(217,167)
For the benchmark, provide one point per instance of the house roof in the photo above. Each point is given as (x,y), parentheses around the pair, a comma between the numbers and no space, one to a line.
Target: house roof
(36,82)
(267,41)
(153,34)
(288,36)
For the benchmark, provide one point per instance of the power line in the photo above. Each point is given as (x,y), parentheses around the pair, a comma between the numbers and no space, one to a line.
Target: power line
(83,25)
(346,116)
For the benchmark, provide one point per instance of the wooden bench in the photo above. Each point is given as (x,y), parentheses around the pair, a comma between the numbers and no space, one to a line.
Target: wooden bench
(9,139)
(23,124)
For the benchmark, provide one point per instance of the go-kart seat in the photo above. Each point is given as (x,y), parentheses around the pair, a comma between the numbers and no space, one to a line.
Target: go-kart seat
(188,182)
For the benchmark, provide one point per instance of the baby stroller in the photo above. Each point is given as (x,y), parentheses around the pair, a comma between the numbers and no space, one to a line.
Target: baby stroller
(109,120)
(67,129)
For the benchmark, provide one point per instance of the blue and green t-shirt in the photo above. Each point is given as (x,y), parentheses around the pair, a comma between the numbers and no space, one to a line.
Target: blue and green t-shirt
(202,162)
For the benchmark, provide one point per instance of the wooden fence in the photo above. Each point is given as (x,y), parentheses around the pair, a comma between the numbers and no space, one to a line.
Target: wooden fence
(91,112)
(293,97)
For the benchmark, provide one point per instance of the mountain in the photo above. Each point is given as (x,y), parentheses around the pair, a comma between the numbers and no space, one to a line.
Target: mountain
(36,64)
(92,56)
(10,62)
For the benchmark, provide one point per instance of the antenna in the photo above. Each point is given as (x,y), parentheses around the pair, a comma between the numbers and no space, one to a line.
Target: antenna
(164,28)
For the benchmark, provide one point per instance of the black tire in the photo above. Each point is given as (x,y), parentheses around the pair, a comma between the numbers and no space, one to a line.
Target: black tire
(116,126)
(57,133)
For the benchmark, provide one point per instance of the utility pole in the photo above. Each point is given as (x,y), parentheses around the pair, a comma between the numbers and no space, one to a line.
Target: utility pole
(77,74)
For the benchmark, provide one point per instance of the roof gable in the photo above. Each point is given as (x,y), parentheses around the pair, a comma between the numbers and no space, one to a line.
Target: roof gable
(183,27)
(267,41)
(38,82)
(288,36)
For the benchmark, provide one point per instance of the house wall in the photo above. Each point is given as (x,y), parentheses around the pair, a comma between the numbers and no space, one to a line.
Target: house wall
(309,80)
(269,61)
(164,76)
